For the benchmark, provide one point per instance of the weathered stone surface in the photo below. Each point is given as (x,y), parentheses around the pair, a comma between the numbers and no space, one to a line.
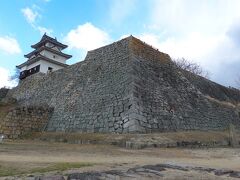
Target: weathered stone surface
(85,176)
(21,120)
(235,174)
(57,177)
(158,171)
(3,93)
(126,87)
(221,172)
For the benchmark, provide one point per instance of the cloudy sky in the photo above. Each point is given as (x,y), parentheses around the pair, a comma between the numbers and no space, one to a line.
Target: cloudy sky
(203,31)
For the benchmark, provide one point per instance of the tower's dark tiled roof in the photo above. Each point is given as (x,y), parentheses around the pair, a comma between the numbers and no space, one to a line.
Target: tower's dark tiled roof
(45,38)
(36,51)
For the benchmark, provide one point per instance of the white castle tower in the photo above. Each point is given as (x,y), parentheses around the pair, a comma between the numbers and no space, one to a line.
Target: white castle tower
(46,57)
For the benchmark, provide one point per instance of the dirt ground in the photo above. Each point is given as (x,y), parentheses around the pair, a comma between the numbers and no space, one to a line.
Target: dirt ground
(27,157)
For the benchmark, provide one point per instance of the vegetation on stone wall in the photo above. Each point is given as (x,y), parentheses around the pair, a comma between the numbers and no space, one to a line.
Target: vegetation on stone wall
(192,67)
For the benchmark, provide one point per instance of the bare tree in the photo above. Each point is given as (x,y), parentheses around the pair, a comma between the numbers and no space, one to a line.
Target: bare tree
(15,75)
(238,81)
(192,67)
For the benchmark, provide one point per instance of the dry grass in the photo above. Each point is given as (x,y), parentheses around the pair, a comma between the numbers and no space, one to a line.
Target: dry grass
(121,139)
(11,170)
(224,103)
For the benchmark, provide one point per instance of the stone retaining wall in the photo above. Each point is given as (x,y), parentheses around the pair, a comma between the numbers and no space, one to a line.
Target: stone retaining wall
(128,86)
(19,121)
(3,93)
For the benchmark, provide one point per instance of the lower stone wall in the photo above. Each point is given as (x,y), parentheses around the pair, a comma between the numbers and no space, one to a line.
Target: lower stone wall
(3,93)
(19,121)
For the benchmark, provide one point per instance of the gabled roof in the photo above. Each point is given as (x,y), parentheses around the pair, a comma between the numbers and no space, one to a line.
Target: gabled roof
(36,51)
(45,38)
(40,57)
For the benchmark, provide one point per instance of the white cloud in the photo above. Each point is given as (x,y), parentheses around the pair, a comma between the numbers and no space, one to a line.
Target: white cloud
(43,30)
(87,37)
(200,30)
(120,10)
(9,45)
(186,16)
(193,29)
(5,78)
(194,45)
(30,15)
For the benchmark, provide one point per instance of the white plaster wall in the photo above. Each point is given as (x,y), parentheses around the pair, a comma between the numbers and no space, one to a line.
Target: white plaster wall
(30,66)
(50,55)
(23,68)
(55,48)
(33,65)
(45,64)
(51,46)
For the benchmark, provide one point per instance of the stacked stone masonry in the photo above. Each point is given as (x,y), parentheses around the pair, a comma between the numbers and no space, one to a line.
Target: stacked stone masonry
(128,86)
(20,121)
(3,93)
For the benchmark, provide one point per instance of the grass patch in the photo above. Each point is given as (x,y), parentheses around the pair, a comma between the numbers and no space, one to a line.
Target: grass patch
(12,171)
(8,171)
(60,167)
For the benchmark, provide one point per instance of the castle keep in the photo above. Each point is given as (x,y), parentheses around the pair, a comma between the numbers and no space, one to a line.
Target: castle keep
(47,56)
(128,86)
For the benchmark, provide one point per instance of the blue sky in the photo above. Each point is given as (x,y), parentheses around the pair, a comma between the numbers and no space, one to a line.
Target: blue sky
(203,31)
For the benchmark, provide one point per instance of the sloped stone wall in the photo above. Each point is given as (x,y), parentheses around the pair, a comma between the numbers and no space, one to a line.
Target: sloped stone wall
(22,120)
(168,101)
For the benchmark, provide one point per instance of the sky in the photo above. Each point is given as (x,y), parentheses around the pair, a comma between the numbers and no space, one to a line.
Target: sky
(206,32)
